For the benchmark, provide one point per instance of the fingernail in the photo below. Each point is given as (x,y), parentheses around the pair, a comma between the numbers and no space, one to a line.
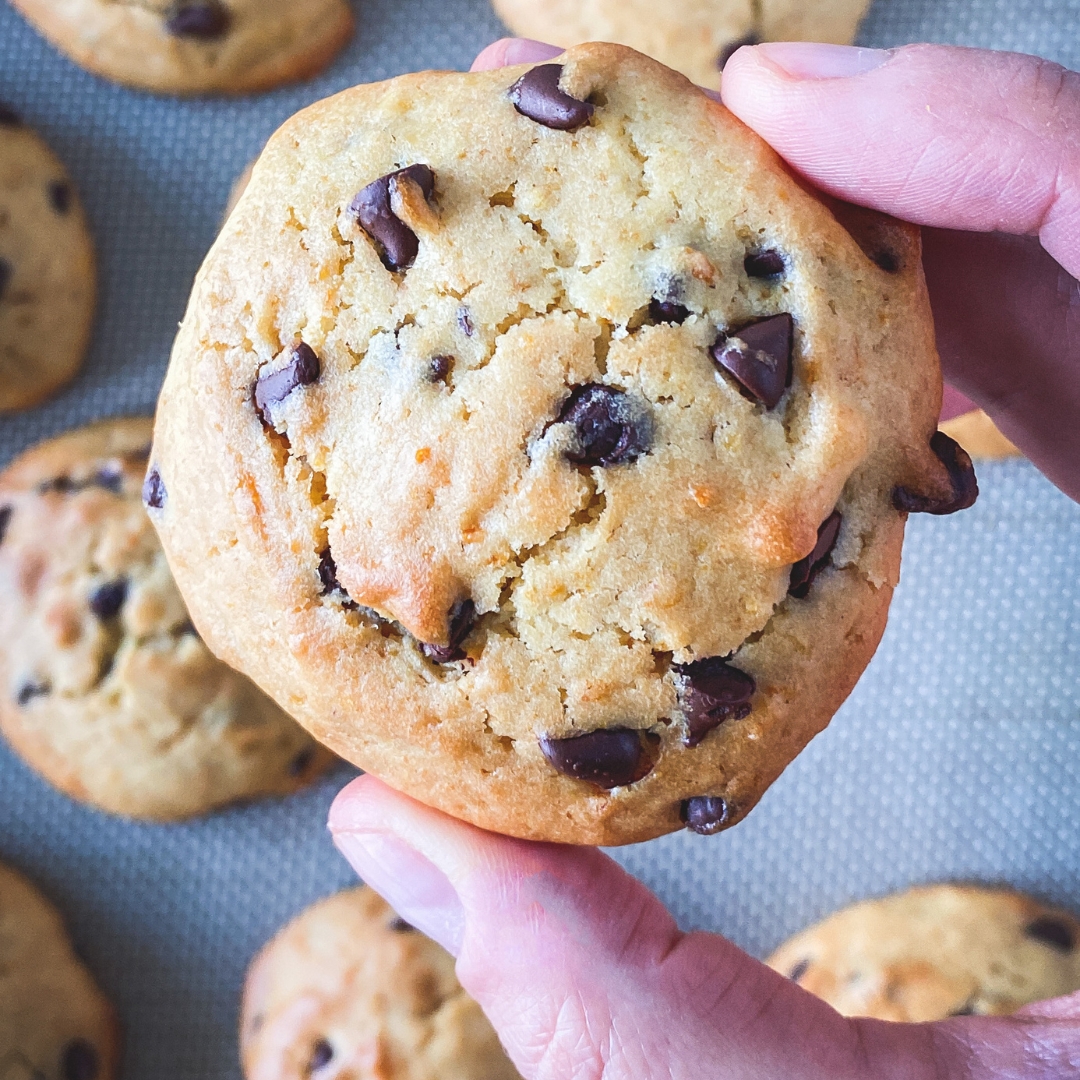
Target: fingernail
(410,883)
(527,51)
(808,60)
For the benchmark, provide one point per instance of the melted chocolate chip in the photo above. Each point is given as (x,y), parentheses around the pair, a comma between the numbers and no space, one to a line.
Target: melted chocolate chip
(301,762)
(710,692)
(80,1061)
(400,926)
(107,600)
(609,758)
(799,970)
(967,1009)
(5,520)
(30,690)
(330,584)
(373,210)
(203,21)
(887,260)
(6,272)
(439,368)
(732,47)
(609,427)
(462,619)
(705,814)
(153,490)
(9,117)
(764,264)
(667,311)
(465,323)
(1056,933)
(537,95)
(59,195)
(805,570)
(322,1054)
(301,369)
(758,356)
(965,488)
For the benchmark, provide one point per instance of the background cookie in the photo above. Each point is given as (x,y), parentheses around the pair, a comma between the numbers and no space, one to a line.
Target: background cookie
(979,436)
(937,951)
(105,688)
(47,278)
(347,989)
(55,1024)
(196,46)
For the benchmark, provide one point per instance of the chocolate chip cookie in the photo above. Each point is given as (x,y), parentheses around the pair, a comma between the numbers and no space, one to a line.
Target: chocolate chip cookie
(545,447)
(693,36)
(105,686)
(348,989)
(196,46)
(55,1024)
(47,276)
(937,951)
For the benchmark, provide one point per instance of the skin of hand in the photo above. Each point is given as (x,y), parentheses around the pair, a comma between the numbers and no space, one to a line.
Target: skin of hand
(580,968)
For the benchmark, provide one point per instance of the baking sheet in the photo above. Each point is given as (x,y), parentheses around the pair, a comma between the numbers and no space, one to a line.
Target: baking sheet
(956,756)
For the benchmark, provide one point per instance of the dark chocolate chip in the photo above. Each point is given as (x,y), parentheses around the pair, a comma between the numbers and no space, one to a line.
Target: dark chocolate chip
(204,21)
(705,814)
(1056,933)
(609,427)
(537,95)
(59,195)
(967,1009)
(331,585)
(965,488)
(6,272)
(400,926)
(465,323)
(805,570)
(373,210)
(764,264)
(799,970)
(5,520)
(758,356)
(439,368)
(187,628)
(153,490)
(109,477)
(321,1055)
(887,260)
(609,758)
(80,1061)
(301,369)
(301,762)
(462,619)
(30,690)
(107,600)
(9,117)
(710,692)
(667,311)
(732,47)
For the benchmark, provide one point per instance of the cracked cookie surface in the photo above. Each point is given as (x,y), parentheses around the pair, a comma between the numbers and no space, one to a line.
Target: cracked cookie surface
(196,46)
(47,275)
(349,989)
(107,690)
(936,951)
(537,440)
(55,1024)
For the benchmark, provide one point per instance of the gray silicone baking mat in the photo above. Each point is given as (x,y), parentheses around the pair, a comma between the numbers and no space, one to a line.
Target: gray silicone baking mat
(956,757)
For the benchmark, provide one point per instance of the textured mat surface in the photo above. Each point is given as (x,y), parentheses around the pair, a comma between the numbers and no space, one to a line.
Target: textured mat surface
(956,757)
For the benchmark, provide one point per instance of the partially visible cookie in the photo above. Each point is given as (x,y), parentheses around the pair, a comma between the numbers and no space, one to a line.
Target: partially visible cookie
(936,951)
(47,277)
(196,46)
(348,990)
(979,436)
(105,687)
(55,1024)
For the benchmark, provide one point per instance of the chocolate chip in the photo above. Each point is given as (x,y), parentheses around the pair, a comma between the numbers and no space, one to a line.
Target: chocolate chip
(799,970)
(965,488)
(5,520)
(759,357)
(301,369)
(204,21)
(59,195)
(153,490)
(373,210)
(80,1061)
(764,264)
(967,1009)
(667,311)
(805,570)
(537,95)
(732,47)
(109,477)
(6,272)
(609,758)
(710,692)
(439,368)
(705,814)
(400,926)
(187,628)
(887,260)
(9,117)
(30,690)
(609,428)
(465,323)
(107,600)
(321,1055)
(462,619)
(331,585)
(301,762)
(1056,933)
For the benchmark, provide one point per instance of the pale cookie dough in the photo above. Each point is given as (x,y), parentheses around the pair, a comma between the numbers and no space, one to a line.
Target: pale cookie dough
(196,46)
(348,990)
(55,1024)
(105,687)
(979,436)
(934,952)
(477,449)
(47,276)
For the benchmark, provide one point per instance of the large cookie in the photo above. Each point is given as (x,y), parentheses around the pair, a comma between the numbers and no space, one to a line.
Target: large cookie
(105,688)
(55,1024)
(937,951)
(541,444)
(47,277)
(196,46)
(692,36)
(349,990)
